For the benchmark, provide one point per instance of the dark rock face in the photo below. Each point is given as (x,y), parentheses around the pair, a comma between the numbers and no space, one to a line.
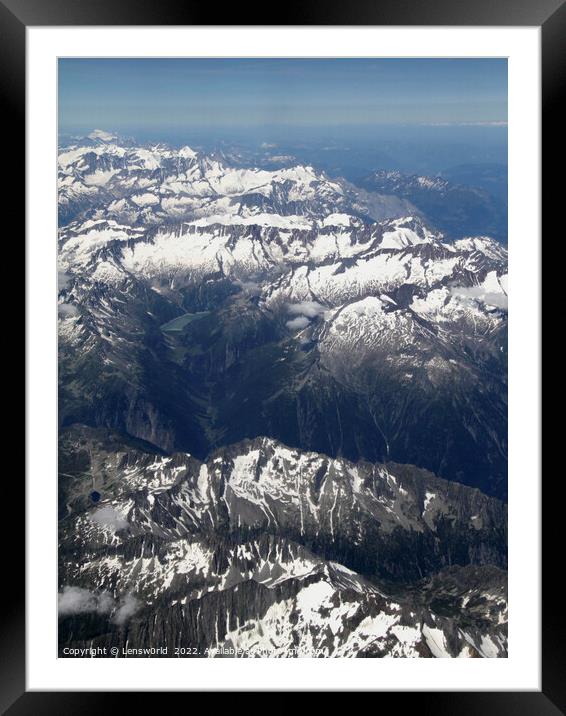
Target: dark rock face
(386,521)
(286,409)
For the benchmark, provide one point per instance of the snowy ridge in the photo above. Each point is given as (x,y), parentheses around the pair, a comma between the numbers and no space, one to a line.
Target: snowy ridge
(281,488)
(155,540)
(149,185)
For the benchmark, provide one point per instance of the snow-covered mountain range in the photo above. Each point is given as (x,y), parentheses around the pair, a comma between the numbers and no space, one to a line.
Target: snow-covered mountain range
(260,371)
(104,179)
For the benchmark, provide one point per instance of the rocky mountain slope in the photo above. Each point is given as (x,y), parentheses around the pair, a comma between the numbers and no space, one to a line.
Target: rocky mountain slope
(376,341)
(263,548)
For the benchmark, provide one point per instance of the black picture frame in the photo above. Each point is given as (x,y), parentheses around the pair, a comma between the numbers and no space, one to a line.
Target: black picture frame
(550,15)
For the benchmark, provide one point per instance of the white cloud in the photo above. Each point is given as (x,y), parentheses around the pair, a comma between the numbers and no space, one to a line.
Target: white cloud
(76,600)
(67,309)
(250,287)
(298,323)
(306,308)
(127,609)
(304,312)
(479,293)
(108,517)
(488,123)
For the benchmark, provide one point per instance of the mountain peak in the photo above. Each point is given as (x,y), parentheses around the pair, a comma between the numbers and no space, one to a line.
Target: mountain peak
(101,135)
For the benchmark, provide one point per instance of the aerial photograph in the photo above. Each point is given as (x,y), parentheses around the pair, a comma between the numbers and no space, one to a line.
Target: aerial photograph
(282,366)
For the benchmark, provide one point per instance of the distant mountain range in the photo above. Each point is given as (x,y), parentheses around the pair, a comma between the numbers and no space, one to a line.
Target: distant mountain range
(456,209)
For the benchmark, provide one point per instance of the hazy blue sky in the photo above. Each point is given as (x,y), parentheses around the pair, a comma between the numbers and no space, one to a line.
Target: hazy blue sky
(129,94)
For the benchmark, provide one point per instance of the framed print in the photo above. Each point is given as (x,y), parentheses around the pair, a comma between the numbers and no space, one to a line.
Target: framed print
(283,339)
